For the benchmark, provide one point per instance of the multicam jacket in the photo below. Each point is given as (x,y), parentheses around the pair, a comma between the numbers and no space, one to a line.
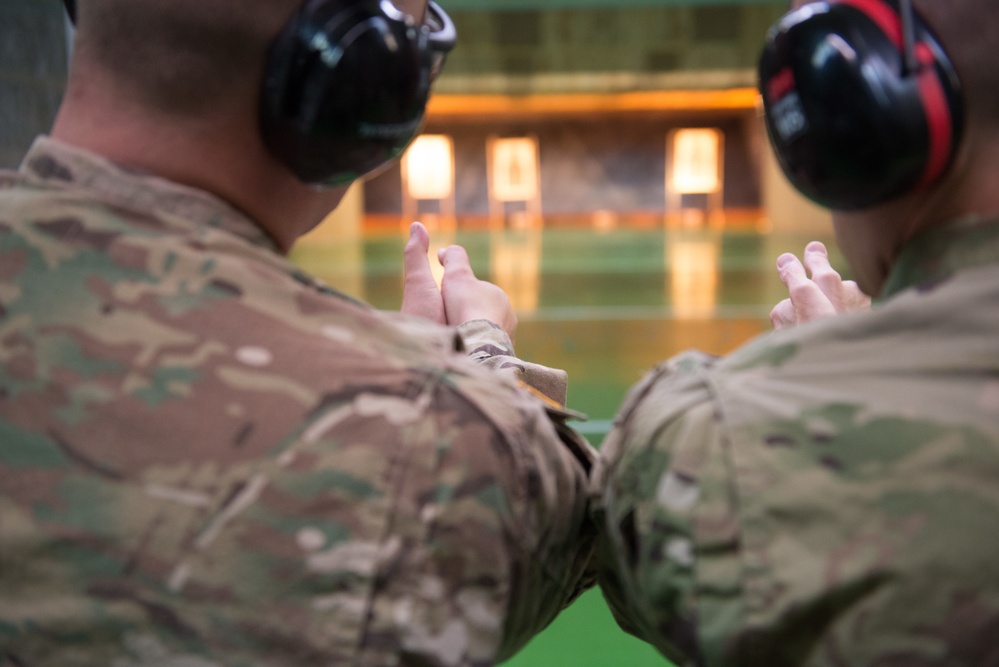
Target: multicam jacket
(828,495)
(209,458)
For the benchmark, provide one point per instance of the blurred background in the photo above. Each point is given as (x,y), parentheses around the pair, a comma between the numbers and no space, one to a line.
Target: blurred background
(604,161)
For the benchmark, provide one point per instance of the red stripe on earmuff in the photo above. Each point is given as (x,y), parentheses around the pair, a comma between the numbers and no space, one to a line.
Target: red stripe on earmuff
(938,116)
(931,91)
(780,84)
(884,16)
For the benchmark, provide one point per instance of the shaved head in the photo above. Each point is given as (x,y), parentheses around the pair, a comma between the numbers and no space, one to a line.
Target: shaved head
(186,57)
(174,87)
(181,56)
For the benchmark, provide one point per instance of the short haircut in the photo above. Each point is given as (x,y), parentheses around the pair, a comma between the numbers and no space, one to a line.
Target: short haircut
(181,56)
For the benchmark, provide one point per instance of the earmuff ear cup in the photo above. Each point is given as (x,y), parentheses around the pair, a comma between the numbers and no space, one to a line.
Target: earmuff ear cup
(851,128)
(345,90)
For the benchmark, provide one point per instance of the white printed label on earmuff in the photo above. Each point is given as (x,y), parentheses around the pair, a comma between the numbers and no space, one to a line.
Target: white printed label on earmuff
(788,117)
(786,113)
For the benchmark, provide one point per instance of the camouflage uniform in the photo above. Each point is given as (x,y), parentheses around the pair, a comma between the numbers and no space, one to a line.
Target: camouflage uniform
(827,495)
(208,458)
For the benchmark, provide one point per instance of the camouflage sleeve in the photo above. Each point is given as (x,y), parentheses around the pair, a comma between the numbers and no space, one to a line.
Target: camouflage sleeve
(661,499)
(810,499)
(453,549)
(488,344)
(450,548)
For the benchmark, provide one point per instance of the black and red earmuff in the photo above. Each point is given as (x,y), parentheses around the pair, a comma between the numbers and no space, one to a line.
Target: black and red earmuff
(861,102)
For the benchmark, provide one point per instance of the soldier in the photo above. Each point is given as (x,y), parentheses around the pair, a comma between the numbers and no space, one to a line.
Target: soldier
(828,494)
(210,458)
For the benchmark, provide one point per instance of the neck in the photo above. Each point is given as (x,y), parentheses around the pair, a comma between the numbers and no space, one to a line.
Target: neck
(222,153)
(871,239)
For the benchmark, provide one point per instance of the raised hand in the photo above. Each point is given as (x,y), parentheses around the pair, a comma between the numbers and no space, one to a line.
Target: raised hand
(468,298)
(821,292)
(461,297)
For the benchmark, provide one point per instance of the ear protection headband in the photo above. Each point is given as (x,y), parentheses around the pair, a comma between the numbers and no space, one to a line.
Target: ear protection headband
(346,85)
(861,102)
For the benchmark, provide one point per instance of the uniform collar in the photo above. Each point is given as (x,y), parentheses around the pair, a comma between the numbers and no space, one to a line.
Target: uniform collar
(935,255)
(55,162)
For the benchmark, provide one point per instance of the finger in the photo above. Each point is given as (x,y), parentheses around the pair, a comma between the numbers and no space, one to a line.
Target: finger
(420,295)
(816,246)
(783,315)
(416,263)
(816,259)
(808,300)
(791,271)
(455,261)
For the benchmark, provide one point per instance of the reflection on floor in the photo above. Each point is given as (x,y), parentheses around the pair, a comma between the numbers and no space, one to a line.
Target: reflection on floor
(605,306)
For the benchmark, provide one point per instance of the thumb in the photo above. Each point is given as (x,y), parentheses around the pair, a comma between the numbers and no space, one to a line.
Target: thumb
(467,298)
(455,261)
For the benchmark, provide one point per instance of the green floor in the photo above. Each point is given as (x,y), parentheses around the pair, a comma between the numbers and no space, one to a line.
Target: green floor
(605,307)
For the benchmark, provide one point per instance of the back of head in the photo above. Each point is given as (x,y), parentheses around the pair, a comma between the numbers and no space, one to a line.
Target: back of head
(341,86)
(180,56)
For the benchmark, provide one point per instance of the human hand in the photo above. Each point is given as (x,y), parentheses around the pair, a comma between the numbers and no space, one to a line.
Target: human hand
(822,295)
(467,298)
(461,297)
(420,295)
